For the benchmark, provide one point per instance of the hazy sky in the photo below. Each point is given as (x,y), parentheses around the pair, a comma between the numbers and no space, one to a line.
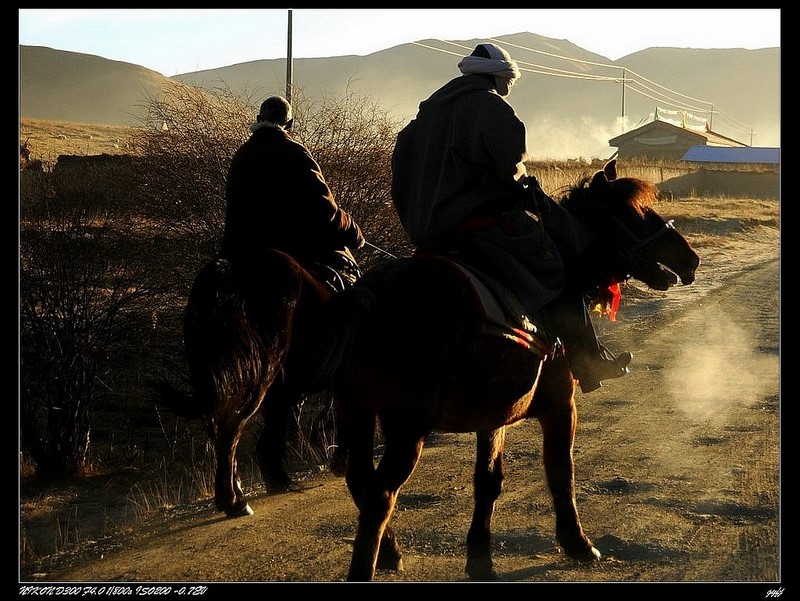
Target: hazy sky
(173,41)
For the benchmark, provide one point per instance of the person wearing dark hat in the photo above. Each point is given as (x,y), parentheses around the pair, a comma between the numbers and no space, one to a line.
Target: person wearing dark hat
(277,198)
(461,188)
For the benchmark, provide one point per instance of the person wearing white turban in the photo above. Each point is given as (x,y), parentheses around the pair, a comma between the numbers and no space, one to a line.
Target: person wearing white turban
(461,188)
(488,59)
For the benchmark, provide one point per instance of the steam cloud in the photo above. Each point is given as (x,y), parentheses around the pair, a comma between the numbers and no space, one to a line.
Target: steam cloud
(719,366)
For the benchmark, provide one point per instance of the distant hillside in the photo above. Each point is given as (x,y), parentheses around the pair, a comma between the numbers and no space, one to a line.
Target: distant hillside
(567,116)
(69,86)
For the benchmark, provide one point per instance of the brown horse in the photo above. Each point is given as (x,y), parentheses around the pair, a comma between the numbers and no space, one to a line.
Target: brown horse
(407,352)
(240,327)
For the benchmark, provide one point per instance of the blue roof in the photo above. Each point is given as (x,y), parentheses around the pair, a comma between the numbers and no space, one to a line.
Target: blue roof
(720,154)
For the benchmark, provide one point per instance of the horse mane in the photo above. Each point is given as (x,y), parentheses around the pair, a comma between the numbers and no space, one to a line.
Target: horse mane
(629,193)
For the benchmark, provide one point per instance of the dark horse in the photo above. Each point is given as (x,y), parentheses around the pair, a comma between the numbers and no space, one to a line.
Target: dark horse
(407,354)
(241,324)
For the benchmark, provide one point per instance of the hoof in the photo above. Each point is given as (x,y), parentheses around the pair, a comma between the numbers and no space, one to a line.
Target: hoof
(589,555)
(241,512)
(392,562)
(481,571)
(582,551)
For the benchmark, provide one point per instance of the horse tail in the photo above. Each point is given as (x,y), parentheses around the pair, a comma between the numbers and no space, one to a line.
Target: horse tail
(331,340)
(235,339)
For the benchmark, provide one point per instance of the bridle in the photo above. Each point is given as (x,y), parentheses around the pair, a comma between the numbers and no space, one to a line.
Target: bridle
(637,243)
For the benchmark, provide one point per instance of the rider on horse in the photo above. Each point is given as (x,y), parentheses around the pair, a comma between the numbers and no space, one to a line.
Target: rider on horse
(460,186)
(277,198)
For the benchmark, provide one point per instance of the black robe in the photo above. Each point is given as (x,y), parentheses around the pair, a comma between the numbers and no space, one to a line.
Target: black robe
(277,197)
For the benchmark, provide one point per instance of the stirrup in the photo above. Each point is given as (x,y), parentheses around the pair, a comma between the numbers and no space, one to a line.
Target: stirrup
(622,360)
(607,368)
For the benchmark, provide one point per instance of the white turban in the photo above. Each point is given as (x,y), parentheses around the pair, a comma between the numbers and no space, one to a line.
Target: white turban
(499,63)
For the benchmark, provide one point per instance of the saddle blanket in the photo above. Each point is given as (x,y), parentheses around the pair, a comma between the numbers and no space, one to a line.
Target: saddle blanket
(504,315)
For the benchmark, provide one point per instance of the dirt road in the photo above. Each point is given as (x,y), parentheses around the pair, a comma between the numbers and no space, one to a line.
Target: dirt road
(677,469)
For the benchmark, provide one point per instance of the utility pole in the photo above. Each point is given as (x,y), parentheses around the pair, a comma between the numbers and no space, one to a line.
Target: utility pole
(289,58)
(623,101)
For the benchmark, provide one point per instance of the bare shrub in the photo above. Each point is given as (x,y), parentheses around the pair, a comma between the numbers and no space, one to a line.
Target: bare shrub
(82,283)
(186,143)
(192,133)
(352,138)
(189,138)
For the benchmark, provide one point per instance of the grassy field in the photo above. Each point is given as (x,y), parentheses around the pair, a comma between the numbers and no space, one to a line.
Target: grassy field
(48,139)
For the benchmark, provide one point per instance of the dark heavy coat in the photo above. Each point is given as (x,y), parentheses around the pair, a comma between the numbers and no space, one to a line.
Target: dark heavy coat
(278,198)
(458,173)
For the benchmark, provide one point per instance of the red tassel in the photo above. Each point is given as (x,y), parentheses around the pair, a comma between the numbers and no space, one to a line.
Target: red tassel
(615,296)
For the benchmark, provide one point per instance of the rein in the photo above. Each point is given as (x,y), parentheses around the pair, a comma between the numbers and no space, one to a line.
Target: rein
(641,243)
(632,251)
(378,248)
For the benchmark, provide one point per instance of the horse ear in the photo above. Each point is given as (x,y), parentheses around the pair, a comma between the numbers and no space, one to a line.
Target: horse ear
(610,169)
(599,181)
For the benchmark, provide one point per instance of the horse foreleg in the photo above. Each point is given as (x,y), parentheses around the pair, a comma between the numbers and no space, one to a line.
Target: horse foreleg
(558,435)
(488,483)
(375,539)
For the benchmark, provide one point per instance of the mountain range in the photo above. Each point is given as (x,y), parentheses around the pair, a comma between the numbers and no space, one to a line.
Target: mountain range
(572,100)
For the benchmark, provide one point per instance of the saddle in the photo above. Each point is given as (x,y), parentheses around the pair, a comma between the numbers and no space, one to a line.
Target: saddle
(502,313)
(337,271)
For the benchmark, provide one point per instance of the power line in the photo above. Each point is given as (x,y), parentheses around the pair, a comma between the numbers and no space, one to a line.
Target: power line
(529,67)
(630,80)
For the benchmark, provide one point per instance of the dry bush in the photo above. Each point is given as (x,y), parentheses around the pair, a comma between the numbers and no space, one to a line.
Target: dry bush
(186,143)
(82,285)
(352,138)
(110,245)
(191,135)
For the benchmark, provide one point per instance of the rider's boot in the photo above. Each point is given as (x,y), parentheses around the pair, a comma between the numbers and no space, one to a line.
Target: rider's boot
(589,360)
(590,368)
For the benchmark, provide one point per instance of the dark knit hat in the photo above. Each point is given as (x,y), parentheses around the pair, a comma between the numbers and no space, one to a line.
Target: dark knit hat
(277,110)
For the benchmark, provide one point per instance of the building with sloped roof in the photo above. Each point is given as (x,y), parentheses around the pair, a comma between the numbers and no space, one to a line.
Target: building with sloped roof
(661,139)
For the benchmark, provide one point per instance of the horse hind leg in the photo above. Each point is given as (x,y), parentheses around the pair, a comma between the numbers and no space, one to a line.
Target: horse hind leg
(271,445)
(227,427)
(355,437)
(228,494)
(488,484)
(375,542)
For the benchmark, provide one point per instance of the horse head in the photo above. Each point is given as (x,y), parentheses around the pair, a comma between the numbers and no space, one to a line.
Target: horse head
(619,213)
